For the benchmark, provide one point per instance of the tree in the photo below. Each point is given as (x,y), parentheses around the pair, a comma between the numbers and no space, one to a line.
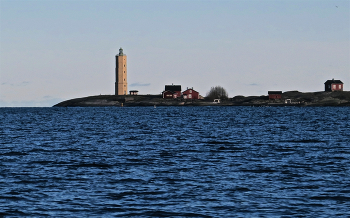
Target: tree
(217,92)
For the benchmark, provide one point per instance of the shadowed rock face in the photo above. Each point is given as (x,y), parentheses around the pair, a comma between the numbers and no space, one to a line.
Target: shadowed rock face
(292,98)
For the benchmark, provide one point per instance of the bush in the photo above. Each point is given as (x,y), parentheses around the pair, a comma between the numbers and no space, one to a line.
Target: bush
(217,92)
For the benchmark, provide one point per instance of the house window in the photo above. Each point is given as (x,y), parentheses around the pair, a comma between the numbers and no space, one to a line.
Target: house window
(190,96)
(190,91)
(334,86)
(339,86)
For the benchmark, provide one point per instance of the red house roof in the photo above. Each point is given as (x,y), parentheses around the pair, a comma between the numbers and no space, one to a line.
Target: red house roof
(333,81)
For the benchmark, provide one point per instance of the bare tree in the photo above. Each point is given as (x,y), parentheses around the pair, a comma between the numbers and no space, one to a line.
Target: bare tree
(217,92)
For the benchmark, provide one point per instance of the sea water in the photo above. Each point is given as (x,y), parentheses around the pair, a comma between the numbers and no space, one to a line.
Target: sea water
(175,162)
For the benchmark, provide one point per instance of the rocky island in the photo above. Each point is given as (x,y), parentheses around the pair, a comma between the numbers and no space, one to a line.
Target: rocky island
(217,96)
(290,98)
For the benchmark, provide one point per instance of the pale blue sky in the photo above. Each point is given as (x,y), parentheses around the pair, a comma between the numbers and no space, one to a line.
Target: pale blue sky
(57,50)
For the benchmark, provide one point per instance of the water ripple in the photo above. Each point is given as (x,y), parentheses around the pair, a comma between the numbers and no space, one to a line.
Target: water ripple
(175,162)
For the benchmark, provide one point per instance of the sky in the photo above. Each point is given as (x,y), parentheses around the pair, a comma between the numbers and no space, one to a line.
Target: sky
(52,51)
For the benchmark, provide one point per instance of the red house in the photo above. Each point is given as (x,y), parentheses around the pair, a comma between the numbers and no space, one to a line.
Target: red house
(190,94)
(333,85)
(169,94)
(275,95)
(172,91)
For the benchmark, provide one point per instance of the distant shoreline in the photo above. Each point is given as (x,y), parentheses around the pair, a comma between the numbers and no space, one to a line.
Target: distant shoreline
(295,98)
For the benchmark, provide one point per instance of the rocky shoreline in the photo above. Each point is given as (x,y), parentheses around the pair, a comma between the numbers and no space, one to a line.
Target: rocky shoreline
(291,98)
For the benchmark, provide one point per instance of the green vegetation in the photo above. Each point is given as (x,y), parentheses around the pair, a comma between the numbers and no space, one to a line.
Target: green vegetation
(217,92)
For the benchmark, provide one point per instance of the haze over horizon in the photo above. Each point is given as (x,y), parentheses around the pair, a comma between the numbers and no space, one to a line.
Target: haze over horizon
(52,51)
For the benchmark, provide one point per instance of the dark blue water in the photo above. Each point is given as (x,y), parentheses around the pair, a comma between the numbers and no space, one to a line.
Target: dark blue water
(175,162)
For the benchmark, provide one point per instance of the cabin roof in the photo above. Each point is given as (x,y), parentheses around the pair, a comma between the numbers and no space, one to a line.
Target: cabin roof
(173,88)
(333,81)
(274,92)
(190,89)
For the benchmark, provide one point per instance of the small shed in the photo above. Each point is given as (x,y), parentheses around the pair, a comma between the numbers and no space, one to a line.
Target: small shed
(133,92)
(275,95)
(190,93)
(333,85)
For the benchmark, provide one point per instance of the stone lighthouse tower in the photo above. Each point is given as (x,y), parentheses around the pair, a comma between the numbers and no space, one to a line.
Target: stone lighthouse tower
(121,82)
